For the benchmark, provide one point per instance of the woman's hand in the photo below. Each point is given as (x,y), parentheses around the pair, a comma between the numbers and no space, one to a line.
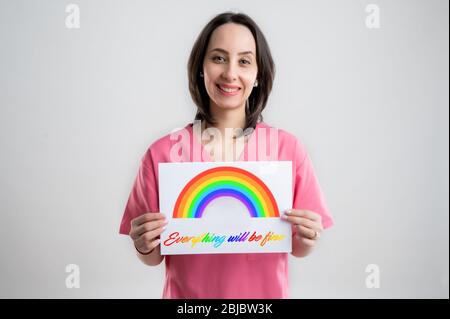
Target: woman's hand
(306,224)
(145,231)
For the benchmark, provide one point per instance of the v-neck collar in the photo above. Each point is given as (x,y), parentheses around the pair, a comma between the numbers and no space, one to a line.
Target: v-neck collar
(204,155)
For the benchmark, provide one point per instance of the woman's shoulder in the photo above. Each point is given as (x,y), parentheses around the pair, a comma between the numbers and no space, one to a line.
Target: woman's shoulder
(171,137)
(163,144)
(283,135)
(289,145)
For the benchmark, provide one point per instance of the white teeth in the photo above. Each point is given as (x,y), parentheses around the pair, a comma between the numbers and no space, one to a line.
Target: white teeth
(229,90)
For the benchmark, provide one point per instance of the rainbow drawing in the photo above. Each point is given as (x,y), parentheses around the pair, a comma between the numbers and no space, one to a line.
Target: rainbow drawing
(225,181)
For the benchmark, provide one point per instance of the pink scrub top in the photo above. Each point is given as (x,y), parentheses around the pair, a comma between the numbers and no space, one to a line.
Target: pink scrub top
(225,276)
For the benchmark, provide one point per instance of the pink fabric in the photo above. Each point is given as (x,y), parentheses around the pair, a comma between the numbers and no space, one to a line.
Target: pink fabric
(226,275)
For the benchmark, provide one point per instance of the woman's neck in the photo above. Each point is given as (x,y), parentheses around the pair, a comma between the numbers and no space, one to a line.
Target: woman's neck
(228,118)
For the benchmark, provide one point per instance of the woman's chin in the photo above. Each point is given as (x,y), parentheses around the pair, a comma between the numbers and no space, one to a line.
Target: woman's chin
(228,106)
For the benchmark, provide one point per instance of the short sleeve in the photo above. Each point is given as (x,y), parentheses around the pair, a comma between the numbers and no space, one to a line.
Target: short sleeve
(307,192)
(144,194)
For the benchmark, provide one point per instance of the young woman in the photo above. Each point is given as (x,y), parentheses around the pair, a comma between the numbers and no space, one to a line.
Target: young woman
(231,73)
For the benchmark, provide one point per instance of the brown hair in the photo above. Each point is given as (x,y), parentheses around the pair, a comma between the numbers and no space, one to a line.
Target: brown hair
(266,69)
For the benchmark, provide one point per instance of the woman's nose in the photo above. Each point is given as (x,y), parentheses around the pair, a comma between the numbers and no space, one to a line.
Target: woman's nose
(230,73)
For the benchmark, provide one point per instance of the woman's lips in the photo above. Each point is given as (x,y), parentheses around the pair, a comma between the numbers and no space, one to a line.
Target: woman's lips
(228,90)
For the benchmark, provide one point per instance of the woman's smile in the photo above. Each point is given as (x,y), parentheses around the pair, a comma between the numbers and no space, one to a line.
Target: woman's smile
(228,89)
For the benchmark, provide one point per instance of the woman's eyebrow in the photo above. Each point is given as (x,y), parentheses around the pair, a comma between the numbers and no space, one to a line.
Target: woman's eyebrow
(226,52)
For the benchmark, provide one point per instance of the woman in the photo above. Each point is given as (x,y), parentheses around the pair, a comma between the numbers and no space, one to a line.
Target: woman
(231,73)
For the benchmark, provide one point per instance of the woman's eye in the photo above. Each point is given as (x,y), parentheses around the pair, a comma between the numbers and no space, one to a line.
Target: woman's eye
(218,59)
(243,61)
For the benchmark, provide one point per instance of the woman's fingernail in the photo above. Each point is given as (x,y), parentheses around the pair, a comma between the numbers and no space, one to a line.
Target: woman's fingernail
(164,227)
(283,216)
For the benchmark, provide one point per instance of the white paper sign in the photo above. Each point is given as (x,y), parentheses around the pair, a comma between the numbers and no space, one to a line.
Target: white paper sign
(225,207)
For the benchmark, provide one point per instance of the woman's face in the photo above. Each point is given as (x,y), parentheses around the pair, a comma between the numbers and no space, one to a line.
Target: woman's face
(229,67)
